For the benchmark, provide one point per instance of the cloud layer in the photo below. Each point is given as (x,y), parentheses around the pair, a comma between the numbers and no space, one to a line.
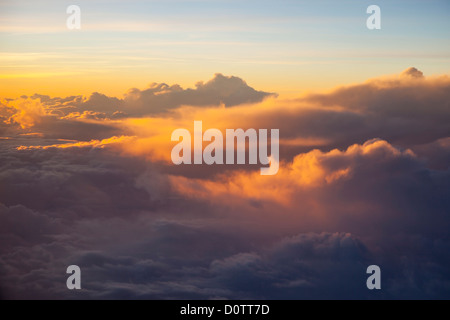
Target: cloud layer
(364,179)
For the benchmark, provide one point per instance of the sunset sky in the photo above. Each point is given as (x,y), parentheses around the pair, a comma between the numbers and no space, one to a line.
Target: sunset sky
(86,176)
(284,46)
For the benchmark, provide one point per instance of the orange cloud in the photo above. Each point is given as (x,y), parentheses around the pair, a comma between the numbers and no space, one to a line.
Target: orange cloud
(82,144)
(27,113)
(313,170)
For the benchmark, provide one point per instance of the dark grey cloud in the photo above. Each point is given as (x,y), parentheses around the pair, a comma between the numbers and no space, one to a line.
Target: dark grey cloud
(92,207)
(412,72)
(119,218)
(436,153)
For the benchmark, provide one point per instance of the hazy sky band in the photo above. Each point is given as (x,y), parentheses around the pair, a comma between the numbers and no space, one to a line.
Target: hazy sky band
(283,46)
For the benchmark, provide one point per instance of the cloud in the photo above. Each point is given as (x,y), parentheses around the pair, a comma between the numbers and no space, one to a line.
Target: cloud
(158,98)
(436,153)
(400,109)
(27,115)
(296,267)
(20,225)
(136,236)
(363,179)
(80,118)
(412,72)
(25,112)
(406,112)
(365,187)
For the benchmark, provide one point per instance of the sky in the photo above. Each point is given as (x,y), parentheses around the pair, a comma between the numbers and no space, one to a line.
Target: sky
(86,170)
(287,46)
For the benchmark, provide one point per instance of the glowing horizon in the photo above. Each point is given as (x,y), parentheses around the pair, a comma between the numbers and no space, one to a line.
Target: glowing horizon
(289,47)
